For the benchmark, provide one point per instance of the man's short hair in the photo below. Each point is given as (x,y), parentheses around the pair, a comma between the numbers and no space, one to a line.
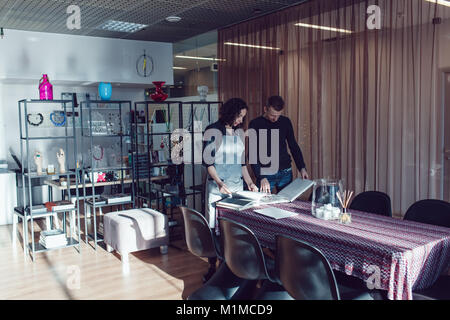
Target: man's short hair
(276,102)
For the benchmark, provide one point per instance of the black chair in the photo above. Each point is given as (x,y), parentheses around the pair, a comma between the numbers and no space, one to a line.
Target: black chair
(199,238)
(435,212)
(223,285)
(373,202)
(306,273)
(244,256)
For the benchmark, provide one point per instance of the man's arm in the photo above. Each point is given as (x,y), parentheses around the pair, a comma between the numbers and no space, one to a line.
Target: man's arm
(296,151)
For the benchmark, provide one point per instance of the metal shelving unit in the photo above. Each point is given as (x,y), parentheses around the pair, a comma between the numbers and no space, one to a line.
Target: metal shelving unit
(198,185)
(149,190)
(88,168)
(142,147)
(26,212)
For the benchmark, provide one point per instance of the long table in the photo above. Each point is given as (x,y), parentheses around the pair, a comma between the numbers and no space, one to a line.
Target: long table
(406,255)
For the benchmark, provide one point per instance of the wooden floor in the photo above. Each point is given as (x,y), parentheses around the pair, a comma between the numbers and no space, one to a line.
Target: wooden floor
(53,275)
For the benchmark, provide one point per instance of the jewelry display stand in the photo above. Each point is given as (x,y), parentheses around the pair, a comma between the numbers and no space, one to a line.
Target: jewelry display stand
(31,116)
(153,190)
(102,126)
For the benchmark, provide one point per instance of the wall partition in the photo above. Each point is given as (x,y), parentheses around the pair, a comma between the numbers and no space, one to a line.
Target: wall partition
(361,84)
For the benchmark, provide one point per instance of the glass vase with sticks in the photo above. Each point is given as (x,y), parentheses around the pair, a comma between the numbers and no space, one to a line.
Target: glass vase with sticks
(344,198)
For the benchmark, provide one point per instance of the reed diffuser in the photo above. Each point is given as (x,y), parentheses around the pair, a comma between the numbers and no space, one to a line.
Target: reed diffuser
(344,199)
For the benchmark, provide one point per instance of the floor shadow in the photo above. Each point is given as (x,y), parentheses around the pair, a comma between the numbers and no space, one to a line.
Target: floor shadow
(58,278)
(178,263)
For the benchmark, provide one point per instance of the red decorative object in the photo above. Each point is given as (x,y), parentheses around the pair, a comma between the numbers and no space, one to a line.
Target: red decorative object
(101,177)
(159,95)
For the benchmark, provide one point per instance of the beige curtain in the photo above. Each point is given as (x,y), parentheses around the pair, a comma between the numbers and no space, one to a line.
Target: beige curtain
(250,73)
(365,104)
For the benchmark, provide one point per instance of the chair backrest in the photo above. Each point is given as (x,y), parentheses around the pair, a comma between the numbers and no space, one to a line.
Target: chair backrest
(199,237)
(304,271)
(373,202)
(435,212)
(242,251)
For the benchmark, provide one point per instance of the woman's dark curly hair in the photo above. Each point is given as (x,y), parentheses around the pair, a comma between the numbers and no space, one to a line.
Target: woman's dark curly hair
(231,110)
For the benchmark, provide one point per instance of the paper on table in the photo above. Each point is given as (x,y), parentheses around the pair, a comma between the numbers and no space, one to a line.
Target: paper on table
(276,213)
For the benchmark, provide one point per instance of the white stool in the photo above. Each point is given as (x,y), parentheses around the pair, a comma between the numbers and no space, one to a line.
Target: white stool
(135,230)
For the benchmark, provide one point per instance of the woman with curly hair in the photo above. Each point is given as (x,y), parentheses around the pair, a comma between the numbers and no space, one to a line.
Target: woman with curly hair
(223,156)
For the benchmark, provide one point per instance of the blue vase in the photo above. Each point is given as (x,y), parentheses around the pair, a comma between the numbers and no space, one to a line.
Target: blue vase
(105,91)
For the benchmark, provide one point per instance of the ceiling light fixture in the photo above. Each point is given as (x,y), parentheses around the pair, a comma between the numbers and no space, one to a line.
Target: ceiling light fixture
(313,26)
(442,2)
(199,58)
(121,26)
(250,45)
(173,19)
(179,68)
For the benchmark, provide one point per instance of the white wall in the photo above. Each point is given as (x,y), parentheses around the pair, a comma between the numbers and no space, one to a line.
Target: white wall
(28,55)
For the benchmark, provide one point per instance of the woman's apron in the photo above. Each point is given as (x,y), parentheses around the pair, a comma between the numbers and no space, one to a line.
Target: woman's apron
(228,166)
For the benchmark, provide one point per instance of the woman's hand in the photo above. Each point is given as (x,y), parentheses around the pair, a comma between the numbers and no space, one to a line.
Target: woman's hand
(224,189)
(253,187)
(265,186)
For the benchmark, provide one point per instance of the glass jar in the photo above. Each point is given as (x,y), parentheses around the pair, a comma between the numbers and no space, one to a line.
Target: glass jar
(345,217)
(325,203)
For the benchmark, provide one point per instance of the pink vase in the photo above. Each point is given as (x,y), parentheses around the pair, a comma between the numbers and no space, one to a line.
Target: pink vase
(159,95)
(45,88)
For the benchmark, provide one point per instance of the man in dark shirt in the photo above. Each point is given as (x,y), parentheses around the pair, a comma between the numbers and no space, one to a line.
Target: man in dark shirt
(273,120)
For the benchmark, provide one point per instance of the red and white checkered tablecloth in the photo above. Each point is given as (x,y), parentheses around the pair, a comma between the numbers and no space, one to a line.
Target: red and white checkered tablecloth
(409,255)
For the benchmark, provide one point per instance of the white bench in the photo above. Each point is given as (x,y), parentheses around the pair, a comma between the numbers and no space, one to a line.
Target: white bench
(135,230)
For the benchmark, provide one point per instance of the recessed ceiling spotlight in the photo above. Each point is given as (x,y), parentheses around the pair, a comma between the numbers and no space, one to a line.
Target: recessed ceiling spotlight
(173,18)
